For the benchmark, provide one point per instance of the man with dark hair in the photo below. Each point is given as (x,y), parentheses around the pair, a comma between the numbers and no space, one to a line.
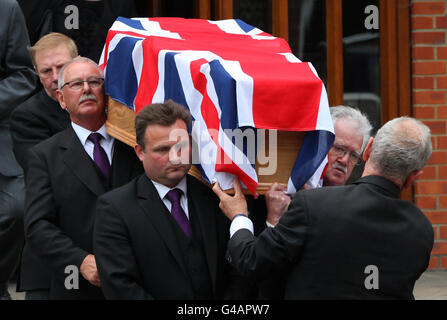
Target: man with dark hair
(358,241)
(162,236)
(66,174)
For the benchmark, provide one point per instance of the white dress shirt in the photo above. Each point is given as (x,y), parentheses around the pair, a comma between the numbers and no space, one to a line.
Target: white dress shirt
(106,143)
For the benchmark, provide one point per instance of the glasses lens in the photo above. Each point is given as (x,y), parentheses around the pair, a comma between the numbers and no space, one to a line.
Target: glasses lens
(76,85)
(79,84)
(341,151)
(95,83)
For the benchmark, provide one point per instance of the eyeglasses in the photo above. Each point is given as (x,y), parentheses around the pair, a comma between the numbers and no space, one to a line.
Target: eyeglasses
(79,84)
(340,151)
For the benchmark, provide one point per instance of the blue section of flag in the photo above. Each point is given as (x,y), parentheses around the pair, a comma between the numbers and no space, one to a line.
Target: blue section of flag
(226,94)
(172,83)
(316,145)
(122,87)
(244,26)
(131,23)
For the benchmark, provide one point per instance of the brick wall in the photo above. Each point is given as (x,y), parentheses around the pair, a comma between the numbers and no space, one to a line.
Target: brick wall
(429,79)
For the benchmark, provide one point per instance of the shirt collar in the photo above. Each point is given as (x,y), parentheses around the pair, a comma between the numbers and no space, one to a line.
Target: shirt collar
(163,190)
(83,133)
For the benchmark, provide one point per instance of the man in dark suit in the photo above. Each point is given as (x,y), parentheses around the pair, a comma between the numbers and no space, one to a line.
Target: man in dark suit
(17,82)
(41,116)
(35,120)
(162,236)
(346,242)
(66,174)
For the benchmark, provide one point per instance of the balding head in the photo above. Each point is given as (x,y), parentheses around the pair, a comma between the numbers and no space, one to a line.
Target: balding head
(402,146)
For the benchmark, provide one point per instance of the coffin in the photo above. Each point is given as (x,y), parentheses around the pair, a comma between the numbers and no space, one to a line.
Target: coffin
(231,76)
(120,125)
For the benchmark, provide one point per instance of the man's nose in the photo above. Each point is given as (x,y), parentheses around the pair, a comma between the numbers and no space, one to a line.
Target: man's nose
(175,156)
(86,87)
(54,74)
(344,159)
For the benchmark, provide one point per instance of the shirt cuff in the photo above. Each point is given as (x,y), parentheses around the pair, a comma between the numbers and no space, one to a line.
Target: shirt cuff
(240,222)
(269,224)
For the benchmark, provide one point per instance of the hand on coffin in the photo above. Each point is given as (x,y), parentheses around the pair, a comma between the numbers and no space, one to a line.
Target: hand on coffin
(232,205)
(277,202)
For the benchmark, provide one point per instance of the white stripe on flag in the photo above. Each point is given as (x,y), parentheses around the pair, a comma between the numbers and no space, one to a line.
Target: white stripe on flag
(137,59)
(244,92)
(234,153)
(324,119)
(152,28)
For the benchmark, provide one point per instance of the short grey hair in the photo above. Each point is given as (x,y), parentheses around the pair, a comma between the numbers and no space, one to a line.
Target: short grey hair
(61,77)
(349,113)
(401,146)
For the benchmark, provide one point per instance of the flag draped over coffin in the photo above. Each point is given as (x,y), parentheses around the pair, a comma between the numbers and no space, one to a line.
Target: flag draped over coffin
(229,75)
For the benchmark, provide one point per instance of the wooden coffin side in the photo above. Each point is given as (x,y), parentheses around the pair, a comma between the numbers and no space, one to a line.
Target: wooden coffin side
(275,167)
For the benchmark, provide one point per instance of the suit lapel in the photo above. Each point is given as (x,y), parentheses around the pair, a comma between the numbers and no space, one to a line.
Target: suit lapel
(80,164)
(125,164)
(203,208)
(157,213)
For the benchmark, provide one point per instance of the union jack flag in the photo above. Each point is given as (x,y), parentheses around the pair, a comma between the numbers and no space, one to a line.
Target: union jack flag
(229,75)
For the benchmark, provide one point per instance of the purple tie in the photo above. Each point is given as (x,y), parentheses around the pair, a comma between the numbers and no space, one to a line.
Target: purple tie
(177,211)
(99,155)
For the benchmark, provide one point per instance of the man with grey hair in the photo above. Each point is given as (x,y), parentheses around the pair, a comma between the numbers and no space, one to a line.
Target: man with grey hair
(352,131)
(66,174)
(358,241)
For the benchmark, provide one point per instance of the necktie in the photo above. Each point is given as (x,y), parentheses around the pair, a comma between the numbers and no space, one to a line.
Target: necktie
(99,155)
(177,211)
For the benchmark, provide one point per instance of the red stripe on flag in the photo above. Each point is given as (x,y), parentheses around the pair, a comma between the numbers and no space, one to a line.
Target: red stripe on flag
(150,78)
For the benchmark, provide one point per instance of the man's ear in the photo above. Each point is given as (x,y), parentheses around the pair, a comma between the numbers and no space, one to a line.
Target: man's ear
(60,98)
(367,151)
(139,152)
(413,176)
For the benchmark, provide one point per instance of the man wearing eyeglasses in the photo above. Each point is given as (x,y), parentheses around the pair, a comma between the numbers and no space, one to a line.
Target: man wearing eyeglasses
(66,174)
(352,132)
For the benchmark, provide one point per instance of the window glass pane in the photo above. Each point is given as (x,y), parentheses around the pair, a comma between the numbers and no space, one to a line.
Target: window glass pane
(256,13)
(361,62)
(307,33)
(361,56)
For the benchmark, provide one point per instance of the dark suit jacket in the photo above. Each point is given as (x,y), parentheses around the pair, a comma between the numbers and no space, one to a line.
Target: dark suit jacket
(63,184)
(137,253)
(330,235)
(35,120)
(17,77)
